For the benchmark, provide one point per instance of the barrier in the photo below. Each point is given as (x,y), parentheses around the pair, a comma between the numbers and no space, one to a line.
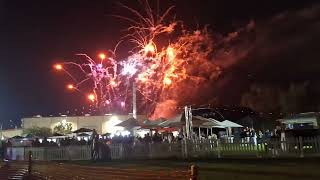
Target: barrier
(50,153)
(292,147)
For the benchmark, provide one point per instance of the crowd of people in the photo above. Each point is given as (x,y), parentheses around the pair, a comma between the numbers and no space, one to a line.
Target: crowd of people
(245,135)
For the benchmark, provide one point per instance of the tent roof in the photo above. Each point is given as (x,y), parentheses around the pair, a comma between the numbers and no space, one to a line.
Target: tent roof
(218,123)
(174,122)
(57,134)
(83,134)
(129,123)
(82,130)
(231,124)
(208,122)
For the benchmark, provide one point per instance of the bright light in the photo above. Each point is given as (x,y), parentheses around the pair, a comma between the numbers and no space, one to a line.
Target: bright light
(111,125)
(123,104)
(125,133)
(142,132)
(129,69)
(91,97)
(175,133)
(108,102)
(170,53)
(113,83)
(70,86)
(58,66)
(142,78)
(149,48)
(102,56)
(167,81)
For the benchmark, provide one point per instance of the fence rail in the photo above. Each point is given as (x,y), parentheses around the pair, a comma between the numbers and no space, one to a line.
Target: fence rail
(292,147)
(50,153)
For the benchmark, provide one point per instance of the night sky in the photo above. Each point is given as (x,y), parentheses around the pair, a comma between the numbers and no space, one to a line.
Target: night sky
(36,34)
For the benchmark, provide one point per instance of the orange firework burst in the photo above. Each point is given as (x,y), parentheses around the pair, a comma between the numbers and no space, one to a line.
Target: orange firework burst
(158,70)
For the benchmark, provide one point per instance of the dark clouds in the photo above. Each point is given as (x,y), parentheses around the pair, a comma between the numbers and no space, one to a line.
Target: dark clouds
(285,50)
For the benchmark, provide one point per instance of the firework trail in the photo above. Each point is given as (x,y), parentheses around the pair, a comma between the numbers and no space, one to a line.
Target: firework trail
(162,74)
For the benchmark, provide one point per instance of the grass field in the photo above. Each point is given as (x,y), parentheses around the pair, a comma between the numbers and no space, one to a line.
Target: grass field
(241,169)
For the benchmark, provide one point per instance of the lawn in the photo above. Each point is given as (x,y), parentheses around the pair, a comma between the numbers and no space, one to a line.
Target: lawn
(229,169)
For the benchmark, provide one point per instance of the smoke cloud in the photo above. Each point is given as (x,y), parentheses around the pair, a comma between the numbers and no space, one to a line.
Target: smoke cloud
(277,49)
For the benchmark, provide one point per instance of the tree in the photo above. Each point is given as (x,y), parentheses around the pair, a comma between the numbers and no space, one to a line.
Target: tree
(63,128)
(38,131)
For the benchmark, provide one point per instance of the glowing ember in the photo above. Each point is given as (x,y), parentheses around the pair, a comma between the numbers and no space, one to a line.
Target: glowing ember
(149,48)
(123,104)
(91,97)
(102,56)
(58,66)
(167,81)
(113,83)
(70,86)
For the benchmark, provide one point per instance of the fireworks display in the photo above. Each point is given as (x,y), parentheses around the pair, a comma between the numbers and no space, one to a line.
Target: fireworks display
(166,58)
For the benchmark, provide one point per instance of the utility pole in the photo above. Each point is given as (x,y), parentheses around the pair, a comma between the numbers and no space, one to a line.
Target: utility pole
(134,100)
(1,135)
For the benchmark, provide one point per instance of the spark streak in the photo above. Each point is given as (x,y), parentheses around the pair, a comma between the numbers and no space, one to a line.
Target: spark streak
(157,71)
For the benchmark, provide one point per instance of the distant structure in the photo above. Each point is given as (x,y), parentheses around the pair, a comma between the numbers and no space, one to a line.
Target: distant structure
(309,120)
(102,124)
(303,124)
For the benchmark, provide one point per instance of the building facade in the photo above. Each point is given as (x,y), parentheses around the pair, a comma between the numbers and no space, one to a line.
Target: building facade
(102,124)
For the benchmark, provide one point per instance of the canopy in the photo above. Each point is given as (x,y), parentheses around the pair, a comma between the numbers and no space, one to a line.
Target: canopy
(148,124)
(129,123)
(227,124)
(106,134)
(30,136)
(174,122)
(82,130)
(83,134)
(207,122)
(218,123)
(17,137)
(57,134)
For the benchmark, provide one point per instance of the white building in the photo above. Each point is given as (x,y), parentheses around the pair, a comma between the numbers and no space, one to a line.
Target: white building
(102,124)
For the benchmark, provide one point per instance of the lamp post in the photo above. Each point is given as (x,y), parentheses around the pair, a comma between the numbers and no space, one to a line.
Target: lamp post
(134,100)
(1,135)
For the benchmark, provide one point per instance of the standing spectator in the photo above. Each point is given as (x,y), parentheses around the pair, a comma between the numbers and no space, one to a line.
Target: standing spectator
(260,136)
(247,135)
(243,135)
(147,138)
(253,136)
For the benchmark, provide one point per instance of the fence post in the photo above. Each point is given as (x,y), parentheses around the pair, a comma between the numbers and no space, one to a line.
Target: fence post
(194,172)
(30,163)
(121,151)
(301,147)
(218,148)
(317,141)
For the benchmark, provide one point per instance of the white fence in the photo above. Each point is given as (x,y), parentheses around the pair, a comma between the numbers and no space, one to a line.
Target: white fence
(50,153)
(294,147)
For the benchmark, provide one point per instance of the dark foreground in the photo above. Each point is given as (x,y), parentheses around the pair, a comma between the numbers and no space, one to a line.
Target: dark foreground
(230,169)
